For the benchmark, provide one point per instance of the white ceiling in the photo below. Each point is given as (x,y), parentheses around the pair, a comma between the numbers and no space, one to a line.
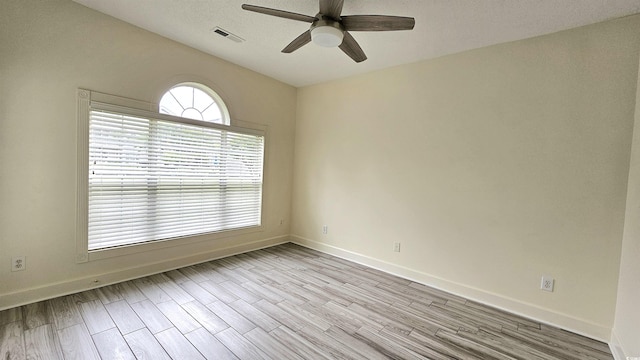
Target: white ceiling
(442,27)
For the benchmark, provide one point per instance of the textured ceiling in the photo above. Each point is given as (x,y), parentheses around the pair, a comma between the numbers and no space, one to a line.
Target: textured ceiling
(442,27)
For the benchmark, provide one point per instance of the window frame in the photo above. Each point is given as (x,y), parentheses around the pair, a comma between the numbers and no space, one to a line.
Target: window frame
(88,100)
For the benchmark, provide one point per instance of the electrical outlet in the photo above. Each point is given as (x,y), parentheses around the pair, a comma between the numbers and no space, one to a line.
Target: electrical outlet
(18,263)
(546,283)
(396,247)
(325,229)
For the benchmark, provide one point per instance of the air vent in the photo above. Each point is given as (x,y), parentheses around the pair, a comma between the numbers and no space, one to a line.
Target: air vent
(224,33)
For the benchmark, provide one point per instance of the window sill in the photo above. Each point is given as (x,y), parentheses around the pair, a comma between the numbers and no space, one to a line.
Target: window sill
(99,254)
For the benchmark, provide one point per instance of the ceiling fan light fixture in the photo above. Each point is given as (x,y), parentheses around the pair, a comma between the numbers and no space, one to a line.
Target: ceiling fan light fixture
(327,36)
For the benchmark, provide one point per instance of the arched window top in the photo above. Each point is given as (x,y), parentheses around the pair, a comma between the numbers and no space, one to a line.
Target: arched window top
(194,101)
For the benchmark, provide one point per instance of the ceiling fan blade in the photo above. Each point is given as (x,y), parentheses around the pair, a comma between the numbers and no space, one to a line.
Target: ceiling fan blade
(377,23)
(332,8)
(298,42)
(279,13)
(351,47)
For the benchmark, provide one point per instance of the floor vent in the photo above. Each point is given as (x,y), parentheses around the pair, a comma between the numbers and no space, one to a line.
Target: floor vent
(224,33)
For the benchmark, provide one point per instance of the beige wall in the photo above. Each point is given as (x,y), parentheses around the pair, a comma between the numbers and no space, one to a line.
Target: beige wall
(626,329)
(48,49)
(491,167)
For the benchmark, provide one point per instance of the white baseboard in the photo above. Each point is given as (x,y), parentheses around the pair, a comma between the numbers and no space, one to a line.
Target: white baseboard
(567,322)
(31,295)
(616,347)
(514,306)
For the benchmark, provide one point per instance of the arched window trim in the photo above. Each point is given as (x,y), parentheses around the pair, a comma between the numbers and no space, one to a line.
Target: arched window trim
(217,99)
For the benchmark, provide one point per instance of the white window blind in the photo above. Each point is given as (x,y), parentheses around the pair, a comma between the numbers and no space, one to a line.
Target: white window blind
(151,179)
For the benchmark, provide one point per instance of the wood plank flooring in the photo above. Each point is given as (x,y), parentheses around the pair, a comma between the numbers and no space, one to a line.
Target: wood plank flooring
(284,302)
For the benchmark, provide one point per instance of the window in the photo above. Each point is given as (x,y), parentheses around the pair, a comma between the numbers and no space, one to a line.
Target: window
(191,101)
(152,176)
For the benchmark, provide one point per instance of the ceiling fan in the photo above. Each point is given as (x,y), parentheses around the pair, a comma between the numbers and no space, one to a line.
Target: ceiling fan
(330,29)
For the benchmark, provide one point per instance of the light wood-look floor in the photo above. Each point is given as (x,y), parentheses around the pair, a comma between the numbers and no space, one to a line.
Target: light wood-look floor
(285,302)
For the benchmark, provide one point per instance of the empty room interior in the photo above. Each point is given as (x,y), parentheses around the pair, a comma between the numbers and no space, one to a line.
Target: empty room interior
(466,186)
